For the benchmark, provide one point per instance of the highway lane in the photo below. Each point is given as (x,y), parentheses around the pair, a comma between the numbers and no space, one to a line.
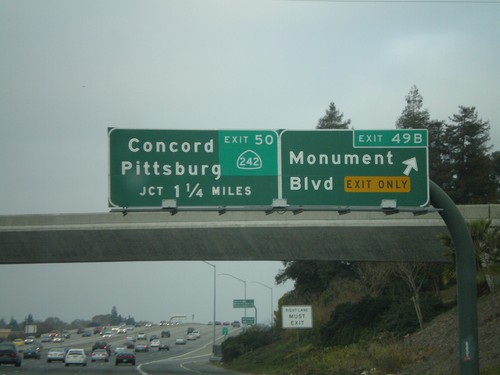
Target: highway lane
(191,358)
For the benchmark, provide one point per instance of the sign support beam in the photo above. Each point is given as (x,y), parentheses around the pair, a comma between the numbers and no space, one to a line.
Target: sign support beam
(466,280)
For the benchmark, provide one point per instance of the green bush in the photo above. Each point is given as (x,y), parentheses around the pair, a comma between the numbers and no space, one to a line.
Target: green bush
(351,322)
(252,339)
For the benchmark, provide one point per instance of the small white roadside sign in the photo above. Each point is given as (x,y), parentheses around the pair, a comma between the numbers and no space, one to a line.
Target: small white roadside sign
(296,317)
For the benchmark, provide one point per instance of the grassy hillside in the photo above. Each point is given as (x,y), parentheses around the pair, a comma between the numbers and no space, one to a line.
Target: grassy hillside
(430,351)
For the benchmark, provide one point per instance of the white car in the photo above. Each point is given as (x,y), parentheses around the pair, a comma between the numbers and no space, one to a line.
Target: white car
(180,341)
(100,355)
(75,357)
(29,340)
(56,354)
(155,343)
(107,335)
(196,333)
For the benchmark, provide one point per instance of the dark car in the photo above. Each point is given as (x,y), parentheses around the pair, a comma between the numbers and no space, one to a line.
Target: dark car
(142,347)
(163,346)
(190,330)
(32,351)
(165,334)
(125,356)
(9,354)
(86,334)
(102,345)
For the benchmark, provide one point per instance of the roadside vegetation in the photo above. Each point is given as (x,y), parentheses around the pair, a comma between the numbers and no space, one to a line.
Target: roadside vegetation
(392,318)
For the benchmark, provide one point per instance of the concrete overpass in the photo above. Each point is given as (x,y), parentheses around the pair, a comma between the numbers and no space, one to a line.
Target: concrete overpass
(238,235)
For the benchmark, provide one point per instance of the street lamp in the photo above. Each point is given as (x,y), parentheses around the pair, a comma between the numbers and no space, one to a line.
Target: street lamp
(271,289)
(244,286)
(215,291)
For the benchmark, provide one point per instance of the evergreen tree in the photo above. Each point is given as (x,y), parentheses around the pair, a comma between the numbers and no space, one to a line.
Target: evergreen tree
(29,319)
(333,119)
(413,116)
(495,159)
(13,324)
(472,172)
(115,319)
(439,160)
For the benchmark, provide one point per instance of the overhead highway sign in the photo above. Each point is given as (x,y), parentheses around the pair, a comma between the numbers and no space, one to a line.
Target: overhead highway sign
(192,168)
(355,168)
(217,169)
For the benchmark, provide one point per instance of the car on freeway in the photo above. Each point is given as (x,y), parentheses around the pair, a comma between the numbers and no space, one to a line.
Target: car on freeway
(102,345)
(18,342)
(226,323)
(58,339)
(121,330)
(165,334)
(120,348)
(125,356)
(142,336)
(75,357)
(106,334)
(180,341)
(86,334)
(66,334)
(155,343)
(129,344)
(99,355)
(163,346)
(46,338)
(191,337)
(153,337)
(9,354)
(142,347)
(33,351)
(196,333)
(189,330)
(56,354)
(236,324)
(29,340)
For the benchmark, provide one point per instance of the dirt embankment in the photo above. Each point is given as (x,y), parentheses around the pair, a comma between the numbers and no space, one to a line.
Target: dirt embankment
(437,343)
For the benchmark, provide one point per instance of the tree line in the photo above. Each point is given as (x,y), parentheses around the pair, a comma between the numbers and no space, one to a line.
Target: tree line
(354,300)
(54,323)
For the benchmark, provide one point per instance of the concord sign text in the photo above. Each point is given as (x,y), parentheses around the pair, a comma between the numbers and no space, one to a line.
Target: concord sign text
(243,168)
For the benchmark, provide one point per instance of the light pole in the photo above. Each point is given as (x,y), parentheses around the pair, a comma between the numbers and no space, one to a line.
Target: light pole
(215,291)
(271,289)
(244,286)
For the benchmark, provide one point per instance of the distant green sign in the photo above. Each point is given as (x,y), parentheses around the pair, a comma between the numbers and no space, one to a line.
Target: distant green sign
(225,331)
(249,320)
(243,303)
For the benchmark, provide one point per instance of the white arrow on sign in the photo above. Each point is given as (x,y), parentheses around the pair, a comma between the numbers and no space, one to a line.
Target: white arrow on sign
(410,164)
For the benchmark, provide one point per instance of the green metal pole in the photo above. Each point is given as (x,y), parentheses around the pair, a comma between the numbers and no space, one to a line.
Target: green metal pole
(466,279)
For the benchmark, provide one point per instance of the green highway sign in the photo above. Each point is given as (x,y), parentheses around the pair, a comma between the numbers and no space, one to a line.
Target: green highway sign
(354,168)
(243,303)
(245,168)
(192,168)
(249,320)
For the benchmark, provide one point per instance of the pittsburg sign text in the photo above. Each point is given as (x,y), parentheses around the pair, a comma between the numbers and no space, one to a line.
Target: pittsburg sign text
(241,168)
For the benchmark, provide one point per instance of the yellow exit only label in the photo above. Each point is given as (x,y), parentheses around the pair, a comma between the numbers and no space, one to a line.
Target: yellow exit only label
(377,184)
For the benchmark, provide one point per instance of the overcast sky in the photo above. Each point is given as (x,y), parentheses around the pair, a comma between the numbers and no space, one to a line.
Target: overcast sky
(71,69)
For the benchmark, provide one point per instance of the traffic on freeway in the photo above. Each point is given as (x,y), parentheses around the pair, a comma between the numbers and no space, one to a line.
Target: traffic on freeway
(175,349)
